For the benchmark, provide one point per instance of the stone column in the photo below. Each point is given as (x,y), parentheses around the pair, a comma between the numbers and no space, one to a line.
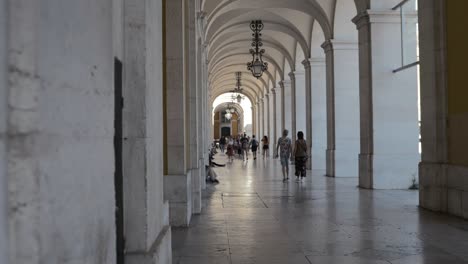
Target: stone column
(273,132)
(254,125)
(282,107)
(293,106)
(259,118)
(178,180)
(287,106)
(319,114)
(262,117)
(146,215)
(267,119)
(342,108)
(389,104)
(308,112)
(192,113)
(3,131)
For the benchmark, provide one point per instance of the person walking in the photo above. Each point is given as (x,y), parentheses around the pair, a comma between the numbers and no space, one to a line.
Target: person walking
(230,149)
(222,143)
(284,146)
(253,146)
(245,147)
(300,156)
(265,148)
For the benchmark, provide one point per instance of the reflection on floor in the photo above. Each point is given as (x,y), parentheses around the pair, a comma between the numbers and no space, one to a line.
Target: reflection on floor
(253,217)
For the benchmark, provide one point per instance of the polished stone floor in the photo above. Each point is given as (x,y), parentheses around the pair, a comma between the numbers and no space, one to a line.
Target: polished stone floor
(253,217)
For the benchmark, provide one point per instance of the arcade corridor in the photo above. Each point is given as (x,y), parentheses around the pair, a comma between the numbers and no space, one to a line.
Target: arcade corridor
(253,217)
(109,110)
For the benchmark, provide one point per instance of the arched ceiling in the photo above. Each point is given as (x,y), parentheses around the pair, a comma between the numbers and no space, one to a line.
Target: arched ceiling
(287,35)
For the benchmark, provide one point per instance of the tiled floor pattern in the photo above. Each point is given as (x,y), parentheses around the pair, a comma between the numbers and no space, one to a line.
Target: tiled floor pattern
(253,217)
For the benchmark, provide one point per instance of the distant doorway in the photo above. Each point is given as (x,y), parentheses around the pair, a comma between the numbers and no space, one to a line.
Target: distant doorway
(225,131)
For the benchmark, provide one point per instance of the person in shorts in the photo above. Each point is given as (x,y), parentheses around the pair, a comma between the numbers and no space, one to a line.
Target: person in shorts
(284,146)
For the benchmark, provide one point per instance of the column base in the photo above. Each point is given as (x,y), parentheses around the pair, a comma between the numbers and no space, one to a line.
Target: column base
(201,165)
(365,171)
(196,191)
(178,191)
(160,252)
(444,188)
(330,156)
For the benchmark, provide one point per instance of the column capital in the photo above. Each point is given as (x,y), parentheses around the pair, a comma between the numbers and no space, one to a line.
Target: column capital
(201,15)
(273,90)
(292,76)
(361,19)
(281,84)
(306,64)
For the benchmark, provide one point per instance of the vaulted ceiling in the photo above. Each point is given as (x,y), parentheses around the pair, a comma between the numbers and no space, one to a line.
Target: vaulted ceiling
(293,31)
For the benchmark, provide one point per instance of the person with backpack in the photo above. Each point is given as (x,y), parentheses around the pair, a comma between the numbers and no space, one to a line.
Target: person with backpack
(254,146)
(300,156)
(284,146)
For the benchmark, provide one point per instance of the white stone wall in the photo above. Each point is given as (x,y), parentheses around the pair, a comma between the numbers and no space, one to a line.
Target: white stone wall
(61,165)
(146,218)
(319,115)
(287,106)
(3,135)
(300,102)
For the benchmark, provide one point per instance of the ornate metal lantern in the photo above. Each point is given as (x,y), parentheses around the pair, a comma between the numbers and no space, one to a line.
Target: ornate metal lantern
(257,66)
(237,96)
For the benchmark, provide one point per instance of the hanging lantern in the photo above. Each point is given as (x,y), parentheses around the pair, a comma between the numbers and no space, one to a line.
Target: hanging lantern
(239,98)
(257,66)
(228,115)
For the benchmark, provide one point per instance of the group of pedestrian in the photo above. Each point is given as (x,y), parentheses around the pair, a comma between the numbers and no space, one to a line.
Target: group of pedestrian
(285,151)
(239,145)
(242,144)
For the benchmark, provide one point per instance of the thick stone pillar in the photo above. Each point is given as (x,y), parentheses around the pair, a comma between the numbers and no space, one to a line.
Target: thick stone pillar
(178,179)
(146,215)
(274,115)
(4,255)
(192,102)
(308,111)
(287,106)
(300,101)
(342,108)
(254,125)
(259,127)
(262,117)
(292,76)
(389,121)
(282,107)
(267,119)
(319,114)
